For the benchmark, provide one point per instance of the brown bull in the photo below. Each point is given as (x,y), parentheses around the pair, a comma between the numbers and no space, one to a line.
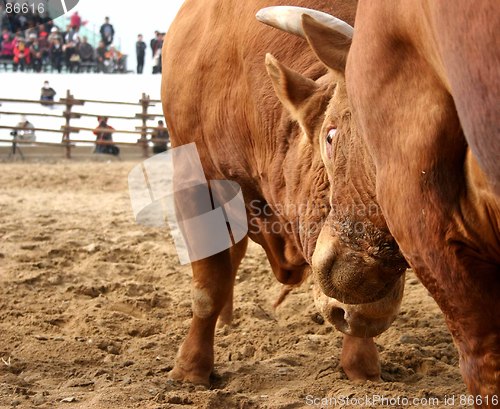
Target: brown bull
(424,90)
(217,93)
(437,157)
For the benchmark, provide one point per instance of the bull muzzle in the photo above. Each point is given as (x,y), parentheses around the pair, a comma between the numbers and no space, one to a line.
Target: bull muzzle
(363,320)
(355,276)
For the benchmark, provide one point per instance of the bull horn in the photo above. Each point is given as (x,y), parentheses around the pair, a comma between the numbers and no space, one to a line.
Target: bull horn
(289,19)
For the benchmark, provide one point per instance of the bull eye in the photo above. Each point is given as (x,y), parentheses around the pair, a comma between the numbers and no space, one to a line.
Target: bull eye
(329,140)
(331,134)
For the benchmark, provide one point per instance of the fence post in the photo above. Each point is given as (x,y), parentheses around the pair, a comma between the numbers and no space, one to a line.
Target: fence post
(68,115)
(144,116)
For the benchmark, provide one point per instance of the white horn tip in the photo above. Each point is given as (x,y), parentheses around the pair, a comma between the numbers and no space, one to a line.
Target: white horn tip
(261,15)
(289,18)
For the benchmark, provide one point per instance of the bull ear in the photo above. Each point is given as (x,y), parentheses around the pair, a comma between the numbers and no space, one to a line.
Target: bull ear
(293,89)
(330,46)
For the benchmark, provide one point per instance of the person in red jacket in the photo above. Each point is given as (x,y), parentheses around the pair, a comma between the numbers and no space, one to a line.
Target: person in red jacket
(7,47)
(76,21)
(21,56)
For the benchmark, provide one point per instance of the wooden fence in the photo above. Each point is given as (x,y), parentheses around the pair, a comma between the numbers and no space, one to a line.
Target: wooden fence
(68,132)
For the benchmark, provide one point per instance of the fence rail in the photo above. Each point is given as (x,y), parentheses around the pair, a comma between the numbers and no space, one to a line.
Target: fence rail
(68,130)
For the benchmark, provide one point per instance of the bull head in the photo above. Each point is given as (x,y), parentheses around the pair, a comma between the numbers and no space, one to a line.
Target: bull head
(351,265)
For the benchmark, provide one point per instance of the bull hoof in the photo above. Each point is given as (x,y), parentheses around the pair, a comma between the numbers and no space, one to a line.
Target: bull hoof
(224,321)
(354,374)
(226,316)
(360,360)
(359,369)
(180,375)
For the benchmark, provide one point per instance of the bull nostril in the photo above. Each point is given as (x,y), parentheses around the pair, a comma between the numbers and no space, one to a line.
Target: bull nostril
(338,314)
(337,317)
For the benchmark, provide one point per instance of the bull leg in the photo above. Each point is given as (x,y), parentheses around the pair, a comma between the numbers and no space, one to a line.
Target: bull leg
(453,247)
(460,271)
(212,286)
(237,253)
(360,360)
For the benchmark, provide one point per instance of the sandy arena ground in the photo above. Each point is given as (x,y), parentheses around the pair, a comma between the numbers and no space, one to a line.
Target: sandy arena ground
(93,308)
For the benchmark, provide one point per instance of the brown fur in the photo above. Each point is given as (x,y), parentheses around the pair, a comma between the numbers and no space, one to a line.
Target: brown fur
(423,78)
(216,93)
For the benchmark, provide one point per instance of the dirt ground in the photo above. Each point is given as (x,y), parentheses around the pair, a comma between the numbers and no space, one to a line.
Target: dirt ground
(94,306)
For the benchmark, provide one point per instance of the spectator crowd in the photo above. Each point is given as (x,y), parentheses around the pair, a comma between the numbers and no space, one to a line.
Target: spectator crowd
(32,42)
